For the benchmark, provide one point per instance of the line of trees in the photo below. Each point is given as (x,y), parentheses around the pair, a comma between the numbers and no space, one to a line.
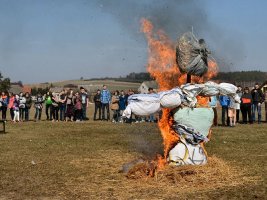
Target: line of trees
(240,76)
(4,83)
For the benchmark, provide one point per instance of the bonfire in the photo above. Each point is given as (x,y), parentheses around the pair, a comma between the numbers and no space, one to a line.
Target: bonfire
(184,91)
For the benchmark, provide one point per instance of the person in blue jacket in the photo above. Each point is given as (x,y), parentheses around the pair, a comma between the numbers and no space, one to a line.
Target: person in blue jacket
(213,104)
(225,101)
(105,99)
(122,103)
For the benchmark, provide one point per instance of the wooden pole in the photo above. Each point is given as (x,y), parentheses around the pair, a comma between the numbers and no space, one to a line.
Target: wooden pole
(188,78)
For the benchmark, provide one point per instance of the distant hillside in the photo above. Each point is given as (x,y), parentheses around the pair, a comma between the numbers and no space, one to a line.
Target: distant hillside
(132,77)
(93,84)
(133,80)
(243,76)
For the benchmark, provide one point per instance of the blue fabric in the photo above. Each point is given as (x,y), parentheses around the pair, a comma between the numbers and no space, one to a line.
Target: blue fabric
(5,102)
(122,102)
(224,101)
(213,101)
(105,96)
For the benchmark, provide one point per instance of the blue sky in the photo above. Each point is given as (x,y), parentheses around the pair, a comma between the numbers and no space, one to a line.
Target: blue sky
(62,39)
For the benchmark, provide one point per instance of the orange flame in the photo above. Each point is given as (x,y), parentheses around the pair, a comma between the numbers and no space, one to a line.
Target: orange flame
(163,68)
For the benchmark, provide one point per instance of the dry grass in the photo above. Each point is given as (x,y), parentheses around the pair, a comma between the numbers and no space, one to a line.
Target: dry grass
(82,161)
(216,174)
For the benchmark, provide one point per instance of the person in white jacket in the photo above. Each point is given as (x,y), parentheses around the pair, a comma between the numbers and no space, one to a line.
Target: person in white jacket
(22,105)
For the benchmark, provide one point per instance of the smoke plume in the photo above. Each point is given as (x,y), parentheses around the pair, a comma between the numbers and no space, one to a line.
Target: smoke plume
(176,17)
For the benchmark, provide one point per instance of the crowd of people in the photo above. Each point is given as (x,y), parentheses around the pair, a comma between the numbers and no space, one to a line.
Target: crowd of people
(249,107)
(65,106)
(72,106)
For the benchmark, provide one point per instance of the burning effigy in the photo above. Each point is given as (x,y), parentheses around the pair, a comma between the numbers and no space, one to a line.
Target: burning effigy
(182,72)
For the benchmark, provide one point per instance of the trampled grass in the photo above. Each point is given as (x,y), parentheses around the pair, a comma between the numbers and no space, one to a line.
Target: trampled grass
(46,160)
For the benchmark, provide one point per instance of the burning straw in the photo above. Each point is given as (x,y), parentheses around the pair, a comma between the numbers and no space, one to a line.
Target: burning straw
(215,174)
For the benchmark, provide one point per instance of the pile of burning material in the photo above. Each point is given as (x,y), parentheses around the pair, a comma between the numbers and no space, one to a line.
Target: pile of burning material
(215,174)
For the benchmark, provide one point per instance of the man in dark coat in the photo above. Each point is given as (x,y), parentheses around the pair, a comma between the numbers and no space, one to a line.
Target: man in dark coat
(97,100)
(257,100)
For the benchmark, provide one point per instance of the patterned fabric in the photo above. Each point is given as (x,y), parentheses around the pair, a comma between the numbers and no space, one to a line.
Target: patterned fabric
(189,134)
(105,96)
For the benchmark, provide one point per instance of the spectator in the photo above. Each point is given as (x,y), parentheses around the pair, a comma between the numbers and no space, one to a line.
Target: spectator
(48,106)
(70,106)
(224,101)
(11,104)
(130,92)
(16,109)
(265,101)
(97,100)
(122,103)
(246,100)
(151,117)
(232,111)
(22,104)
(213,105)
(28,106)
(239,93)
(78,107)
(85,103)
(55,107)
(38,107)
(62,105)
(257,100)
(105,101)
(115,106)
(4,102)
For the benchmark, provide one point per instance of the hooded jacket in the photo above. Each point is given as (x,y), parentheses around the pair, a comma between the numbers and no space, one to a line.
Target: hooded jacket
(257,96)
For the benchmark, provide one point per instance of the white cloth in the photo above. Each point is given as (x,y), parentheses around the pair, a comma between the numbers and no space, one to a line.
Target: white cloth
(142,105)
(185,153)
(171,98)
(147,104)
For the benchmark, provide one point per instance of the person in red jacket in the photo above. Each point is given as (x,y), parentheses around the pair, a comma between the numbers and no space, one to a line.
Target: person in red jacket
(246,101)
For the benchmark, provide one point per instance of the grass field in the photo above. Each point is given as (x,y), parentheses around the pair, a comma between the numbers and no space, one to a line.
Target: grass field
(46,160)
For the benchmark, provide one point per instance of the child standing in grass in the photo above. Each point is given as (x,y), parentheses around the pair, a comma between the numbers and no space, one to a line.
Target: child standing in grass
(11,104)
(28,105)
(55,107)
(16,109)
(115,106)
(38,107)
(4,102)
(48,106)
(122,104)
(232,111)
(69,106)
(78,107)
(22,105)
